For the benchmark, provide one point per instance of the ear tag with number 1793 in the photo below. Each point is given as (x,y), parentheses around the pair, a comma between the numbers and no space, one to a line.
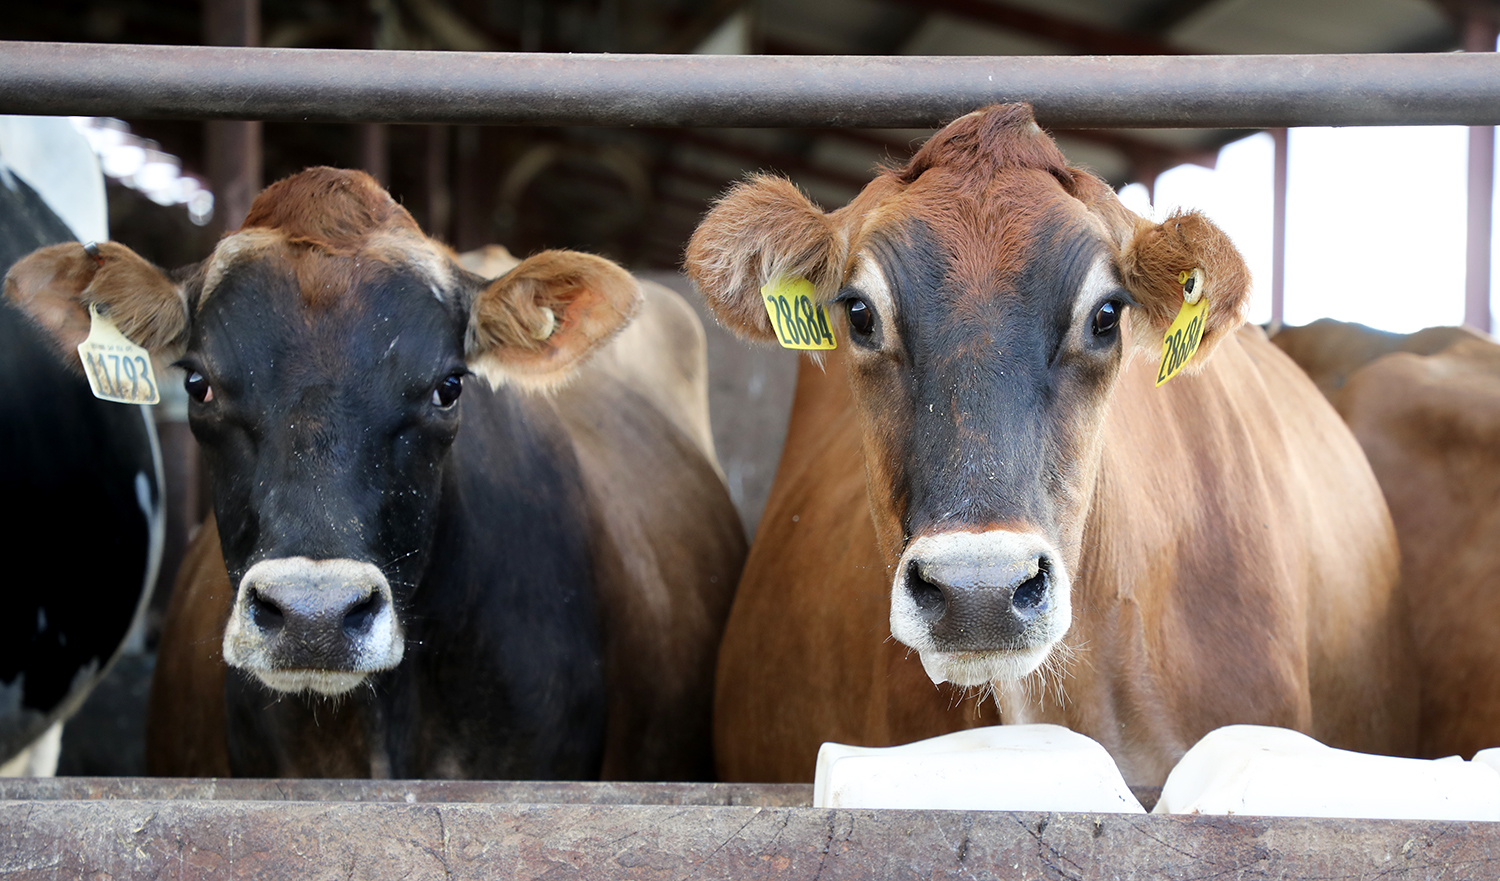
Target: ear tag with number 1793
(797,318)
(117,369)
(1186,332)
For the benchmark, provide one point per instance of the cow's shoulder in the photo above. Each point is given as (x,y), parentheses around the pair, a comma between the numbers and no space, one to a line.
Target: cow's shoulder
(186,728)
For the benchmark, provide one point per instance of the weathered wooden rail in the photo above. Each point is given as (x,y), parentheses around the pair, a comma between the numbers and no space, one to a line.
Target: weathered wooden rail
(76,828)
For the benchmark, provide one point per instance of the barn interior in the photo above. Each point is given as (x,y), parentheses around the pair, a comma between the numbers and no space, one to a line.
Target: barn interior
(636,194)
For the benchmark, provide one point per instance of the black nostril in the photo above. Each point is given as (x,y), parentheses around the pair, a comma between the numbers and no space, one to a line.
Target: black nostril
(266,614)
(1031,594)
(361,615)
(927,596)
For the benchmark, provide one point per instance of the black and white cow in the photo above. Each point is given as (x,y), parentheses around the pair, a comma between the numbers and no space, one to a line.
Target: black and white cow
(80,478)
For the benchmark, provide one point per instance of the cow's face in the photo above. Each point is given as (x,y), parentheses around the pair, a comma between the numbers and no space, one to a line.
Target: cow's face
(985,297)
(325,348)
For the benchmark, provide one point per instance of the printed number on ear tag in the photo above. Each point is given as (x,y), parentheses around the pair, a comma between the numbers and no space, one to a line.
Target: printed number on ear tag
(799,320)
(118,370)
(1186,332)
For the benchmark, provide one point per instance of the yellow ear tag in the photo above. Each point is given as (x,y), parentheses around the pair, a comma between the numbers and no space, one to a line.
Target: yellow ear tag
(799,320)
(1186,331)
(118,370)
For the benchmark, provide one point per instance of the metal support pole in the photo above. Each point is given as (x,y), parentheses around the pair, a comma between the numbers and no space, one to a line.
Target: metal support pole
(1479,36)
(233,148)
(439,196)
(373,155)
(1278,230)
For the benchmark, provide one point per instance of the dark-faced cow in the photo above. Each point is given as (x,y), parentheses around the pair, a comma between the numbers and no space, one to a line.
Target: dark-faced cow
(1426,409)
(984,470)
(528,581)
(80,477)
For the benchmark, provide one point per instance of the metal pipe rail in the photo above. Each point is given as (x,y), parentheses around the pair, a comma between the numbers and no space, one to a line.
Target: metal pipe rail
(348,86)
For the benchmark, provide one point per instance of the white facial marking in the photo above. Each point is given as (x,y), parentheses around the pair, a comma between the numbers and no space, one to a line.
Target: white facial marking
(980,667)
(228,252)
(248,647)
(869,280)
(1100,281)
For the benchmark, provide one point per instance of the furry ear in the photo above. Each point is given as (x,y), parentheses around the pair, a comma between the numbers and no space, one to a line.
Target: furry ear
(1151,263)
(762,229)
(56,284)
(537,323)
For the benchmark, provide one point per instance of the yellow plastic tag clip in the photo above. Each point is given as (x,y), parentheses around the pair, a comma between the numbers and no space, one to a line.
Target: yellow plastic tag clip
(117,369)
(1186,332)
(798,319)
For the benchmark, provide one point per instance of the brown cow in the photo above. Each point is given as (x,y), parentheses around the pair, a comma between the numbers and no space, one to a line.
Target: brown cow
(984,467)
(409,578)
(1426,409)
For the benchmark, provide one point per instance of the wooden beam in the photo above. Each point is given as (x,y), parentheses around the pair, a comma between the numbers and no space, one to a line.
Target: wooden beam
(1076,35)
(418,830)
(233,147)
(1167,14)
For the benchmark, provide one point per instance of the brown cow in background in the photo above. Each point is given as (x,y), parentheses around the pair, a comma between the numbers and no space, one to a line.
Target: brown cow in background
(983,469)
(1426,408)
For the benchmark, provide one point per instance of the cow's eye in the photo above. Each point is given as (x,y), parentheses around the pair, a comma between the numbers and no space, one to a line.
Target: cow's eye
(1107,318)
(197,387)
(861,316)
(447,390)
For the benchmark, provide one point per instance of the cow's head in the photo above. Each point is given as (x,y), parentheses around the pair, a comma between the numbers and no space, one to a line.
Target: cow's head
(325,345)
(985,298)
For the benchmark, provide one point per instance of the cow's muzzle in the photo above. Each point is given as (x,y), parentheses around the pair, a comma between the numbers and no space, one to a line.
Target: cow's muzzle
(318,625)
(980,606)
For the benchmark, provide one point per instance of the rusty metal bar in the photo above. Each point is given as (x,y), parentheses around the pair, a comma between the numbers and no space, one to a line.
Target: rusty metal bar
(1479,36)
(326,85)
(1278,227)
(296,840)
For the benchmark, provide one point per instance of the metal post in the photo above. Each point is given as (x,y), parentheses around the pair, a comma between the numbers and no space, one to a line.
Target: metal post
(1479,36)
(233,148)
(439,197)
(1278,230)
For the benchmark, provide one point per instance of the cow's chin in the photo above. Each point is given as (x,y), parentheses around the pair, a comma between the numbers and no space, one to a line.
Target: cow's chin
(329,683)
(982,668)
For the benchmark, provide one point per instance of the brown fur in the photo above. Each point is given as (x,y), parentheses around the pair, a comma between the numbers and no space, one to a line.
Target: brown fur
(1330,351)
(1425,407)
(590,299)
(785,237)
(185,724)
(329,208)
(1233,561)
(780,234)
(1152,261)
(55,286)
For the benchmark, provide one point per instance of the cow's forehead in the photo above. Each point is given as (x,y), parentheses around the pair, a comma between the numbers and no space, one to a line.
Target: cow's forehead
(983,242)
(328,275)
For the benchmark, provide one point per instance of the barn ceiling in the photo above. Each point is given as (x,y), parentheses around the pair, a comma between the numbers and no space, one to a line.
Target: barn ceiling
(636,195)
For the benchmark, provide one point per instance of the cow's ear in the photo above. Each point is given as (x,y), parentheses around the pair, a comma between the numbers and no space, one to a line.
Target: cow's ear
(537,323)
(763,229)
(56,285)
(1186,248)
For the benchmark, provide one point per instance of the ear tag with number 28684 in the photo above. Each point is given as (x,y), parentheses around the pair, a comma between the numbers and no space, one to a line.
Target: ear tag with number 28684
(799,320)
(1186,332)
(118,370)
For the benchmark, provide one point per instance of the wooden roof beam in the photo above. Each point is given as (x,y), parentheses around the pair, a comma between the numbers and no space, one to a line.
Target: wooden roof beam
(1084,38)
